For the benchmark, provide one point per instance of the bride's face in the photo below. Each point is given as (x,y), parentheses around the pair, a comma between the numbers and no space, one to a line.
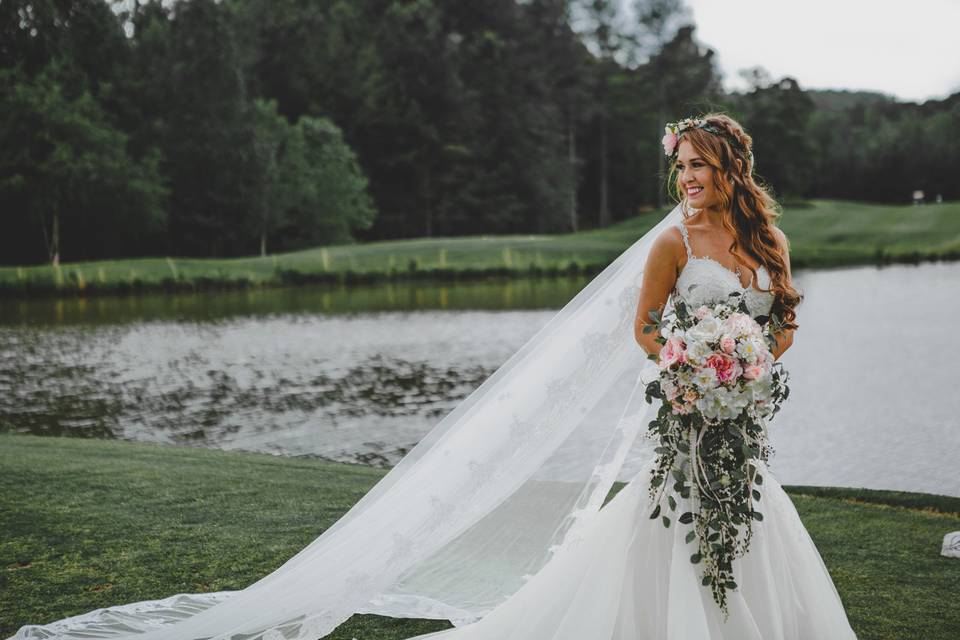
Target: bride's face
(695,177)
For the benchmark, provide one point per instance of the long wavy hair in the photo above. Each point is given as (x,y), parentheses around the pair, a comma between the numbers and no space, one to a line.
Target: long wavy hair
(749,211)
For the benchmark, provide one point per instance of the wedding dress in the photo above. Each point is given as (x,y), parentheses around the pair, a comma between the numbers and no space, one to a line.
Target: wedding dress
(494,521)
(627,577)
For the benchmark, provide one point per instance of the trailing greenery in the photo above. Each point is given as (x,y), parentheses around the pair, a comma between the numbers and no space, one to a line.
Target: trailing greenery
(91,523)
(823,233)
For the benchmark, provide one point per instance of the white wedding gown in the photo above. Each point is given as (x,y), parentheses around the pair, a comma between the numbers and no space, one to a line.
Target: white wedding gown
(628,577)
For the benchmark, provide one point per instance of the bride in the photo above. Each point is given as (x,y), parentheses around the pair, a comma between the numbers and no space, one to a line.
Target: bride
(494,520)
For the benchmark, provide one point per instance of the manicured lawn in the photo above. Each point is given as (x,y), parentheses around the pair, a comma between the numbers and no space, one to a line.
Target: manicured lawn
(825,233)
(89,524)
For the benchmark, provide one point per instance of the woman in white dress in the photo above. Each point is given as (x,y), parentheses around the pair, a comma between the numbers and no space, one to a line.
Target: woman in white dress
(628,577)
(494,519)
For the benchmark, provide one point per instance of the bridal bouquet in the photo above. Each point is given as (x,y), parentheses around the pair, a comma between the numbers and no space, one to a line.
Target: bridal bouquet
(719,383)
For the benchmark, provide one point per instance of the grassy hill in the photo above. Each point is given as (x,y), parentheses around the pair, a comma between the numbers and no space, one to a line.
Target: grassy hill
(823,233)
(89,523)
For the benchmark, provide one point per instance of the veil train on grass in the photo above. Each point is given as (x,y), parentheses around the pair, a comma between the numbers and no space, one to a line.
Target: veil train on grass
(479,505)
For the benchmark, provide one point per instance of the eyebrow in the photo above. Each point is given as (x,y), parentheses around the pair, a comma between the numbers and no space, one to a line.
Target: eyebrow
(691,159)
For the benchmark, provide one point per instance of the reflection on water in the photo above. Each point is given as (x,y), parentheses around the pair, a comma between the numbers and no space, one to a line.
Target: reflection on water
(496,294)
(361,375)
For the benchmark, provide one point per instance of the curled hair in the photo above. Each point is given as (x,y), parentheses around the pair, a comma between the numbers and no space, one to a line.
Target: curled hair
(749,211)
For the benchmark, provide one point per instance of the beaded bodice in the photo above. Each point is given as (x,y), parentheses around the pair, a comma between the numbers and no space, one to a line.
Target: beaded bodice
(703,280)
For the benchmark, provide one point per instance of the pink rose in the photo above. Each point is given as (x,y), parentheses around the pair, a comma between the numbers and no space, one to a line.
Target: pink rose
(672,353)
(702,312)
(669,143)
(728,344)
(725,367)
(752,371)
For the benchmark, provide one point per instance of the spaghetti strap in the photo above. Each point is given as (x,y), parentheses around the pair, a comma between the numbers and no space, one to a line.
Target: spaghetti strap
(686,238)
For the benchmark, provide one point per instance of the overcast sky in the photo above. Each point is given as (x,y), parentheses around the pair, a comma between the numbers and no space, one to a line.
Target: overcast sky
(907,48)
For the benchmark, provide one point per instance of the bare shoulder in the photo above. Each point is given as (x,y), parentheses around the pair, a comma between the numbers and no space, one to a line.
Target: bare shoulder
(666,254)
(669,242)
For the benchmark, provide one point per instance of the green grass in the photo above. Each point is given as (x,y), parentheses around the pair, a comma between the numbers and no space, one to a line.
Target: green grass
(823,234)
(89,524)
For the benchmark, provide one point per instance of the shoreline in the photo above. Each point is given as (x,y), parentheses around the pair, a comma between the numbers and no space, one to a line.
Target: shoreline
(74,285)
(823,234)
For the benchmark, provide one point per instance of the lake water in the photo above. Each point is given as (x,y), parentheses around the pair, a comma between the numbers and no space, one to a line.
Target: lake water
(361,375)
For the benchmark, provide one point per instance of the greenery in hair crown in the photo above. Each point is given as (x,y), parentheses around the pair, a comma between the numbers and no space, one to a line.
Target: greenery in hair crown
(672,131)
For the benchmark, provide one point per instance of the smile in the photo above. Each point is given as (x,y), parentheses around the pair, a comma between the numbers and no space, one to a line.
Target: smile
(692,191)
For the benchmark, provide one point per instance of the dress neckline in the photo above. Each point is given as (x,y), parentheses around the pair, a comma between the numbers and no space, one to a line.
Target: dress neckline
(743,288)
(708,259)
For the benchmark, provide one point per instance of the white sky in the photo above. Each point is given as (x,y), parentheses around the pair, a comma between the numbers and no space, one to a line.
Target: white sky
(906,48)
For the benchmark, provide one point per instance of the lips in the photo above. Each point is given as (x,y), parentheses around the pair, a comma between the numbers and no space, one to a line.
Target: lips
(694,191)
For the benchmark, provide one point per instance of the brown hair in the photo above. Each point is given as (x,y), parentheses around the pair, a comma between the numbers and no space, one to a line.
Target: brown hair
(749,210)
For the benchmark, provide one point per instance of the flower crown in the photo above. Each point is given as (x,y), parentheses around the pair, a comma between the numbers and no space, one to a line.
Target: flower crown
(671,138)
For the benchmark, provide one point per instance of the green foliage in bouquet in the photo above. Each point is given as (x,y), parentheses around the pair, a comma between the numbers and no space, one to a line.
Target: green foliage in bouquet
(717,390)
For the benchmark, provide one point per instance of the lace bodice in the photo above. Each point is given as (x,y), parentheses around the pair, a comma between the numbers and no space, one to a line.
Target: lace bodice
(703,280)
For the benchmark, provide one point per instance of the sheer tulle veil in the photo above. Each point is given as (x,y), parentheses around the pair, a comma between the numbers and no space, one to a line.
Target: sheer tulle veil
(480,504)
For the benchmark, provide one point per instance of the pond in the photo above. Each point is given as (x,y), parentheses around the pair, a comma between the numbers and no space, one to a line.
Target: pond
(360,375)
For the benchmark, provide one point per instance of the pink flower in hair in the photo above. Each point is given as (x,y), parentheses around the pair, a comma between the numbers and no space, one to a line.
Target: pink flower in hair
(669,142)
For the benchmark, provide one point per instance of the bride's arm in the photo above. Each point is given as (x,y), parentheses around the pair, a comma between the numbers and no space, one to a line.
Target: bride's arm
(659,279)
(784,338)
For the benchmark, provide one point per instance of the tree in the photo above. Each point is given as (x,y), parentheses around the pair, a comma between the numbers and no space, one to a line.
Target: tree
(327,194)
(67,176)
(777,115)
(209,139)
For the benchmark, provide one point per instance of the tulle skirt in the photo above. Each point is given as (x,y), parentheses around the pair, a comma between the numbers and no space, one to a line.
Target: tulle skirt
(628,577)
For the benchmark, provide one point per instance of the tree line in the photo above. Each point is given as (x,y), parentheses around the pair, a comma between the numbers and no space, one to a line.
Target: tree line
(205,128)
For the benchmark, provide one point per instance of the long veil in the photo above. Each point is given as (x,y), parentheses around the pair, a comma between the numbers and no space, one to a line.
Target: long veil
(471,512)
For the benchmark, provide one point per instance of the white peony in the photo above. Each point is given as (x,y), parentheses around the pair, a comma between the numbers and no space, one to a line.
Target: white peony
(698,351)
(705,379)
(750,349)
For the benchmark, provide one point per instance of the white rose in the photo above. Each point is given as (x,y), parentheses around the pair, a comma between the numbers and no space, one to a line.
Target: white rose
(708,330)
